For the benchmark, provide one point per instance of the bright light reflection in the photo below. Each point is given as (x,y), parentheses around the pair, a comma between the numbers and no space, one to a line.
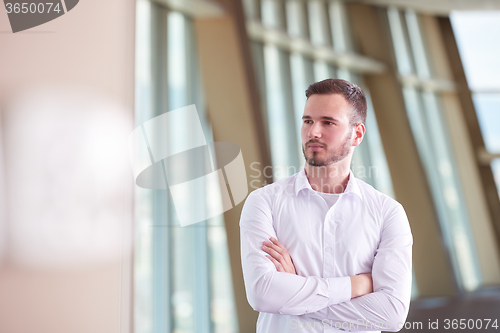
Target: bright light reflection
(68,174)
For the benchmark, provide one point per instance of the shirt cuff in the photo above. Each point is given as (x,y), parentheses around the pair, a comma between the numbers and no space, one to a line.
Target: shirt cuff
(339,290)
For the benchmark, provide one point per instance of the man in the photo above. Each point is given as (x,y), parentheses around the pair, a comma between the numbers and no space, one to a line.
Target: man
(321,250)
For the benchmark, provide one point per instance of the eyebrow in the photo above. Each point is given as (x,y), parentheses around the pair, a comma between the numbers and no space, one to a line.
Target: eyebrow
(324,118)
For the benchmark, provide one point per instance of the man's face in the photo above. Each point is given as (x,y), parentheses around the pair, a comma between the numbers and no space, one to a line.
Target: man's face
(326,133)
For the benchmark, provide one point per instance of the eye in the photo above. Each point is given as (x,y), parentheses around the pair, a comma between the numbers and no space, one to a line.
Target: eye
(328,123)
(307,121)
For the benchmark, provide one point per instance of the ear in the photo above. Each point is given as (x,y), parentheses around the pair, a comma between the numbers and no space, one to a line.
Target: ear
(359,134)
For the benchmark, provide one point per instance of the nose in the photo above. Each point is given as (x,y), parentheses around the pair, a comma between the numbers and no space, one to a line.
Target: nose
(315,131)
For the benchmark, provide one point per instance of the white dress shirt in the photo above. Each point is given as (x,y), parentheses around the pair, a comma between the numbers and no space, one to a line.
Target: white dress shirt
(365,231)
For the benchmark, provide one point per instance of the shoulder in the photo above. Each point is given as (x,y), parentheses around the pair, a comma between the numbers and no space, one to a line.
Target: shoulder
(274,190)
(393,219)
(381,202)
(266,197)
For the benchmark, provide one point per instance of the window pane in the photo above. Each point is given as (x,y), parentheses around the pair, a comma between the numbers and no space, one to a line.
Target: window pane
(488,114)
(182,277)
(149,204)
(280,115)
(296,20)
(431,137)
(339,27)
(495,166)
(478,41)
(417,43)
(318,23)
(323,71)
(479,44)
(345,74)
(378,173)
(453,197)
(434,150)
(301,70)
(271,14)
(400,42)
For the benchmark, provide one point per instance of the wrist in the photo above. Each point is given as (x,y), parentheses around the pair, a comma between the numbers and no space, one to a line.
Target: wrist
(361,285)
(354,286)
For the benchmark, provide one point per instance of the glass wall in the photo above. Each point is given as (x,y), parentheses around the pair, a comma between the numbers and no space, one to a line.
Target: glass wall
(479,45)
(182,276)
(296,43)
(424,110)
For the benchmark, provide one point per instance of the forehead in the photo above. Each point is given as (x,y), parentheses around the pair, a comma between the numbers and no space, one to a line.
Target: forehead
(319,105)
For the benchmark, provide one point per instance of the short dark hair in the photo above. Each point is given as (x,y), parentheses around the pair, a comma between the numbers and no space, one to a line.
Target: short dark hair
(351,92)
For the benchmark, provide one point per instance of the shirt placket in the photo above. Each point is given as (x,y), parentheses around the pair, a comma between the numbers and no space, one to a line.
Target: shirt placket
(330,229)
(329,248)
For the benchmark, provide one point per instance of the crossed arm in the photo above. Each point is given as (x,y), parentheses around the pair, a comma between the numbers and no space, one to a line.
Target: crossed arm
(272,287)
(361,284)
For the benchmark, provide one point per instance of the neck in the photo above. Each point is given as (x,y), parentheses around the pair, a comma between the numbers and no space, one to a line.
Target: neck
(328,179)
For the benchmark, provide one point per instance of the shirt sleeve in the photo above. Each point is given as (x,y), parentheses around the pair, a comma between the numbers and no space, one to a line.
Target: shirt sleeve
(387,307)
(276,292)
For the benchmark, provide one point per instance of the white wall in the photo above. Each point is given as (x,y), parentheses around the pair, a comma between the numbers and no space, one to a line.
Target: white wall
(66,107)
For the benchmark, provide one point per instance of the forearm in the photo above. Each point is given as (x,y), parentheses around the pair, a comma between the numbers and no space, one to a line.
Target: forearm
(290,294)
(285,293)
(372,312)
(386,308)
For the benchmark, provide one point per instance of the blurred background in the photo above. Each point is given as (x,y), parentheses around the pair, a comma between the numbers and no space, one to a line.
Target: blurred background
(83,249)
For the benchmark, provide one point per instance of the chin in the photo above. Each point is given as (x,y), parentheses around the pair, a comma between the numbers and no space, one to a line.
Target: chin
(315,163)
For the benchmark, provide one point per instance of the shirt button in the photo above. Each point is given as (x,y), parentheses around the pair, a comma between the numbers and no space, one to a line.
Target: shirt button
(328,249)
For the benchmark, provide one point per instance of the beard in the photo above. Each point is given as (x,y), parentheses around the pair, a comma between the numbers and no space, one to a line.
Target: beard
(331,155)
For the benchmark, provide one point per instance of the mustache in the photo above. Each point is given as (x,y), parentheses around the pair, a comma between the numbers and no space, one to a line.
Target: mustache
(314,141)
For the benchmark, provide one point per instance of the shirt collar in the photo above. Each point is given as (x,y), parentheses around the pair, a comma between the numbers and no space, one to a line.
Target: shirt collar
(301,183)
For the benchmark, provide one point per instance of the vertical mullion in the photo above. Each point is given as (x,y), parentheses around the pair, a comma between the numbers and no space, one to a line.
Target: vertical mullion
(160,200)
(181,238)
(307,23)
(301,76)
(292,141)
(259,65)
(201,269)
(422,64)
(404,60)
(252,9)
(281,12)
(339,27)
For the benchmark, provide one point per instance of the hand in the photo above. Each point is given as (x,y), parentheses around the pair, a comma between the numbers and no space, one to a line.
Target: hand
(361,284)
(279,256)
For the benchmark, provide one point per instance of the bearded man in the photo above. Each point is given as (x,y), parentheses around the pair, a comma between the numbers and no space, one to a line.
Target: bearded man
(323,251)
